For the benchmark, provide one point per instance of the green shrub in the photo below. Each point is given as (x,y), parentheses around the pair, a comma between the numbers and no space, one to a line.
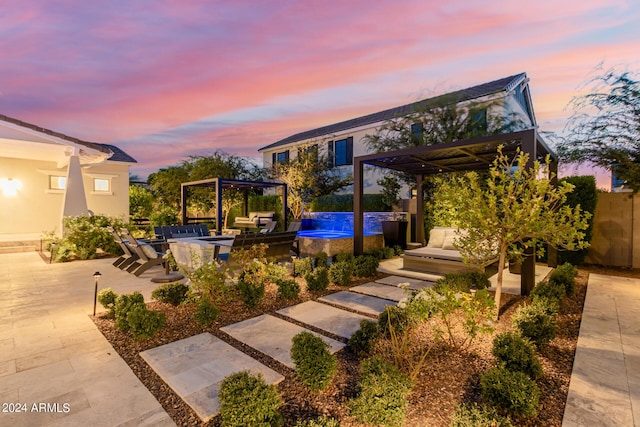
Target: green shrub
(318,279)
(171,293)
(383,390)
(276,271)
(344,203)
(565,275)
(124,304)
(365,266)
(319,422)
(107,298)
(549,294)
(321,259)
(517,354)
(478,416)
(393,317)
(361,342)
(344,257)
(462,282)
(251,283)
(533,322)
(315,365)
(246,400)
(288,289)
(206,312)
(302,266)
(388,252)
(87,234)
(144,323)
(398,250)
(341,272)
(510,390)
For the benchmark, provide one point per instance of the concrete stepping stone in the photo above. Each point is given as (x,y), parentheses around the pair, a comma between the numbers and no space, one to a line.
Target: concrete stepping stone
(358,302)
(379,290)
(333,320)
(194,368)
(414,284)
(272,336)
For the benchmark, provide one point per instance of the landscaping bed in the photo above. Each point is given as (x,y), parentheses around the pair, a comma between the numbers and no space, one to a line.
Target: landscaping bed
(447,378)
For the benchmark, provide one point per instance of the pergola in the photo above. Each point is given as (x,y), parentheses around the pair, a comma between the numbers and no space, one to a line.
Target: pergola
(466,155)
(219,184)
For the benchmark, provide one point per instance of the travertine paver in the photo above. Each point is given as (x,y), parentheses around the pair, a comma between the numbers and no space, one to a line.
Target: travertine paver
(334,320)
(272,336)
(414,284)
(51,351)
(379,290)
(605,381)
(194,368)
(357,302)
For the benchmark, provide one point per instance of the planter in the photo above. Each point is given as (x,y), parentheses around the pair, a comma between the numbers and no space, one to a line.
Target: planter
(395,233)
(515,267)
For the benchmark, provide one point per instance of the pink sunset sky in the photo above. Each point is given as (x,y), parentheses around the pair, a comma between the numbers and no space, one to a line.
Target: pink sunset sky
(165,79)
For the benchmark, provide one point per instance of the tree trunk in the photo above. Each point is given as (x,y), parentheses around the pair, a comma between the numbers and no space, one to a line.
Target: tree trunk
(501,262)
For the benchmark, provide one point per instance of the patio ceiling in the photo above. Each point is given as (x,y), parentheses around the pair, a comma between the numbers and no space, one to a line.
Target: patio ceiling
(457,156)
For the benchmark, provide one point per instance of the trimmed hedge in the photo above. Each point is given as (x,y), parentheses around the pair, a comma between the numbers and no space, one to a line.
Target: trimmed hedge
(247,400)
(517,354)
(344,203)
(512,391)
(584,194)
(315,365)
(535,323)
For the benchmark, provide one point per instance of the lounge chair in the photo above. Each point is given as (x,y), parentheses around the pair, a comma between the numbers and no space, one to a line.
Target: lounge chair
(128,257)
(147,256)
(269,227)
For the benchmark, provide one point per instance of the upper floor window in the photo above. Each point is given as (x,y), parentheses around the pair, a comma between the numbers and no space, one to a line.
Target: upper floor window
(57,182)
(101,185)
(281,157)
(340,152)
(479,120)
(416,132)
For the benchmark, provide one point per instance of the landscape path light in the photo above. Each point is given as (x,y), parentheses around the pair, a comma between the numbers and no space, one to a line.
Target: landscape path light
(96,276)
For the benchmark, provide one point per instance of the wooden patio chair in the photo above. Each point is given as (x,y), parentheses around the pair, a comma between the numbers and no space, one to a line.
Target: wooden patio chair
(147,255)
(128,257)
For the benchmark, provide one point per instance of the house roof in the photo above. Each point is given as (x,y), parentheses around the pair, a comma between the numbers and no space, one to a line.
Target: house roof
(474,92)
(116,154)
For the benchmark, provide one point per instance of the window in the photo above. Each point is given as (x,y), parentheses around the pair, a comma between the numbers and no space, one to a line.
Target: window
(416,132)
(280,157)
(57,182)
(479,121)
(101,185)
(340,152)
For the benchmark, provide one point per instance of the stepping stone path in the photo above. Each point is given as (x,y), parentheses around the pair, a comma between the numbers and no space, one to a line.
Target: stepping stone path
(194,367)
(333,320)
(273,336)
(414,284)
(379,290)
(358,302)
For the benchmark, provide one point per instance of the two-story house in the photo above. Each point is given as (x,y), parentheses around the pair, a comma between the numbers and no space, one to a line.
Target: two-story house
(508,97)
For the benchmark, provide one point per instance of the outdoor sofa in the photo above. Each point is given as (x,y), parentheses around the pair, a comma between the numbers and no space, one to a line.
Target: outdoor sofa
(440,255)
(254,220)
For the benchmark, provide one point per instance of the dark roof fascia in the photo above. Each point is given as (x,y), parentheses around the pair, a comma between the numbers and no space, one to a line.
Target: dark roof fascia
(474,92)
(116,152)
(229,182)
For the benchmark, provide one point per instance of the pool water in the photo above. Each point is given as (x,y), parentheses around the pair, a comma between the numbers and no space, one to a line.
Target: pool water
(328,234)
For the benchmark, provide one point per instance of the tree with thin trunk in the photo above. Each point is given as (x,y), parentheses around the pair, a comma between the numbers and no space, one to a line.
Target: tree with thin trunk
(514,208)
(605,126)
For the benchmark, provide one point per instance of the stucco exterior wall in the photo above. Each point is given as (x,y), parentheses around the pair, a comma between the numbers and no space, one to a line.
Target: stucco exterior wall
(36,209)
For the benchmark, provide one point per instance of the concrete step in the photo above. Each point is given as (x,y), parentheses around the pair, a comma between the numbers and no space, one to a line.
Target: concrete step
(330,319)
(357,302)
(15,247)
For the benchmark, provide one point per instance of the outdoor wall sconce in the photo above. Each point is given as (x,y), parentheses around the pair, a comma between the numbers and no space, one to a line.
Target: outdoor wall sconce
(10,186)
(96,276)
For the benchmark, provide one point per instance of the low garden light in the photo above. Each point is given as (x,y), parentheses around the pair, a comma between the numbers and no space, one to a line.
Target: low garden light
(96,276)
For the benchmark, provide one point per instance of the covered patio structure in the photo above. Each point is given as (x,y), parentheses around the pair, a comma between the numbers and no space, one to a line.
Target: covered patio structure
(218,185)
(457,156)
